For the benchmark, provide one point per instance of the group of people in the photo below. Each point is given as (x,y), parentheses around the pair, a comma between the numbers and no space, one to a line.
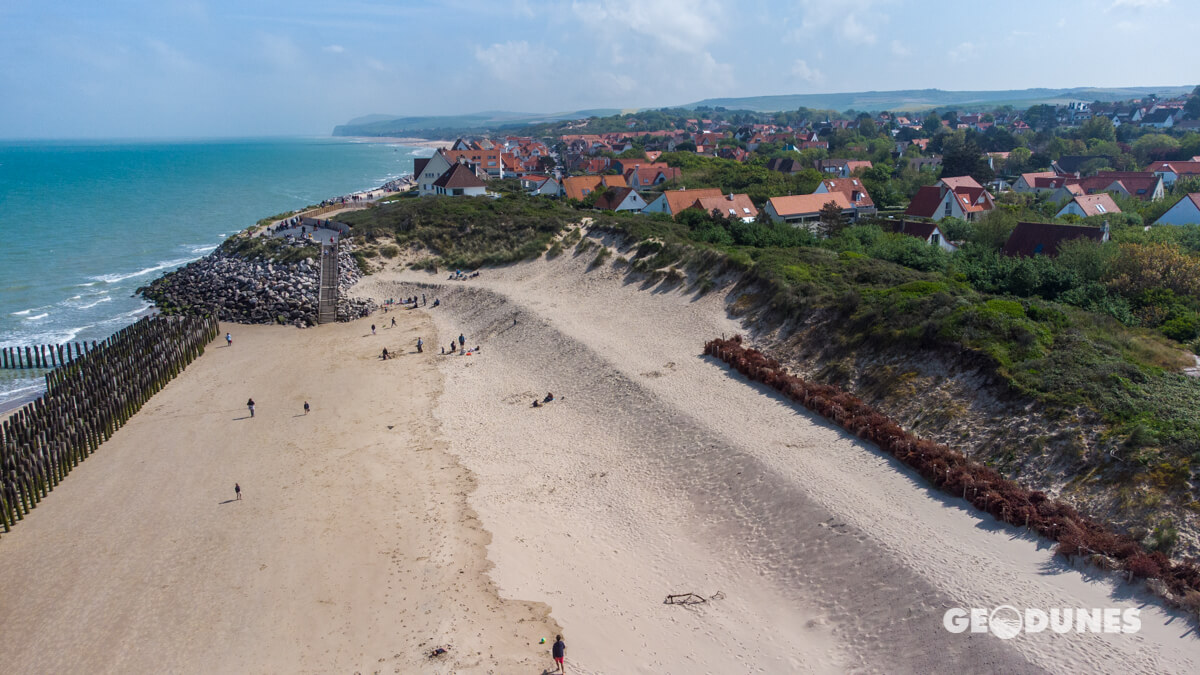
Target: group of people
(459,275)
(549,399)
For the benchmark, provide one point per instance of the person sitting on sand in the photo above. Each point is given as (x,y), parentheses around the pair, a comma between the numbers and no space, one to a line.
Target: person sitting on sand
(549,398)
(436,302)
(536,403)
(385,354)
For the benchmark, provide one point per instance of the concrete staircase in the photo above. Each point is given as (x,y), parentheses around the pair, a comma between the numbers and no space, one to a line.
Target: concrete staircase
(328,293)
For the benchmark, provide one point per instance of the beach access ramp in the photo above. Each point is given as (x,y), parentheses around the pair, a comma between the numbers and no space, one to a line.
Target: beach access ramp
(328,292)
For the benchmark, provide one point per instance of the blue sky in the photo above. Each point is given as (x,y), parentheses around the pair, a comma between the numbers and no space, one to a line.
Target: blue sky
(197,68)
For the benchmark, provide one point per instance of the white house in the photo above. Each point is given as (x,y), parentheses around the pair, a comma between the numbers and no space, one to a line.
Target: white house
(621,199)
(460,181)
(926,231)
(429,170)
(672,202)
(958,197)
(1185,212)
(1090,205)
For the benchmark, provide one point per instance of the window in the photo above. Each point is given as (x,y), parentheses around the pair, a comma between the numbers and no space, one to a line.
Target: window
(933,239)
(1100,208)
(947,208)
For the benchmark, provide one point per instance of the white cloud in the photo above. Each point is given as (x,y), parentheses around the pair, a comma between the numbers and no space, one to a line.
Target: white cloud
(899,49)
(679,24)
(509,61)
(963,51)
(1137,4)
(333,49)
(805,72)
(855,31)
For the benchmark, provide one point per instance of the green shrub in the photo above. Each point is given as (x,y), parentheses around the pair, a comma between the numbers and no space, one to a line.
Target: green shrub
(601,256)
(389,251)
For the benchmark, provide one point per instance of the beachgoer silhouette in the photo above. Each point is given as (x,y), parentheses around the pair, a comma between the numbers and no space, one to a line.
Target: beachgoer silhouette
(549,398)
(228,340)
(419,343)
(372,329)
(462,339)
(559,652)
(393,322)
(385,354)
(237,490)
(306,407)
(423,300)
(250,405)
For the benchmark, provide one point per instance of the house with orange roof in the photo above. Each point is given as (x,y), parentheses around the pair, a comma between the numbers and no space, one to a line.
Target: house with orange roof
(1090,205)
(673,202)
(803,210)
(731,206)
(856,194)
(1028,182)
(579,187)
(958,197)
(1173,171)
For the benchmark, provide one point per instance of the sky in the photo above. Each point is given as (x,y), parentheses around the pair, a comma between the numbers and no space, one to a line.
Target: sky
(221,68)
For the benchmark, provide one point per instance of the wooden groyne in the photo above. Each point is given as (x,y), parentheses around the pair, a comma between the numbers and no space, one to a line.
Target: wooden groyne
(89,397)
(39,356)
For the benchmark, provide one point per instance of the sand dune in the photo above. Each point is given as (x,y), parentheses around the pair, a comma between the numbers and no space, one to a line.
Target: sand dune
(659,472)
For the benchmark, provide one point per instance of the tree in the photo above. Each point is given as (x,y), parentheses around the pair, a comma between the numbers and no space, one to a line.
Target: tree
(1154,147)
(931,125)
(993,229)
(831,219)
(1099,128)
(964,158)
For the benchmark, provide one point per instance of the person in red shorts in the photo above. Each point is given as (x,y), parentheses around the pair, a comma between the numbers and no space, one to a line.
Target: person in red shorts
(559,652)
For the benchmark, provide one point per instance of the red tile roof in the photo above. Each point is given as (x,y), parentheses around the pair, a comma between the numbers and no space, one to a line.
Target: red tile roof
(807,204)
(1096,205)
(678,200)
(851,187)
(924,204)
(730,205)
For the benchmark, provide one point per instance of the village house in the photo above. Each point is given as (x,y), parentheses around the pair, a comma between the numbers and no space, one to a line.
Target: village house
(731,206)
(1172,171)
(620,199)
(842,168)
(579,187)
(1142,185)
(958,197)
(1089,205)
(645,176)
(1039,181)
(673,202)
(1185,212)
(785,165)
(541,186)
(804,210)
(926,231)
(1030,239)
(855,192)
(460,181)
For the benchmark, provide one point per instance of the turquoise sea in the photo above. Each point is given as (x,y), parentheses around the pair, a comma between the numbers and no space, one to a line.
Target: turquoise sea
(85,223)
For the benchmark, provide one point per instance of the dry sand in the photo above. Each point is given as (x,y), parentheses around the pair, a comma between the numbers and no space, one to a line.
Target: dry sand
(352,550)
(658,471)
(357,546)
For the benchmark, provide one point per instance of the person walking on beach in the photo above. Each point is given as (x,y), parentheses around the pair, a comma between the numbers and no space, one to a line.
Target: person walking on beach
(237,490)
(250,405)
(462,339)
(419,344)
(372,329)
(393,322)
(306,407)
(422,299)
(559,652)
(228,340)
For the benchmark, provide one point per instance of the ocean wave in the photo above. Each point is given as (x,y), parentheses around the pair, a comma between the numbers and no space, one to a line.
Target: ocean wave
(201,248)
(22,312)
(93,304)
(114,278)
(37,316)
(90,283)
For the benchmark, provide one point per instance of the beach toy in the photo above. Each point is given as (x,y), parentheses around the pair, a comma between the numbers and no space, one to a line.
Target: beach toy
(542,641)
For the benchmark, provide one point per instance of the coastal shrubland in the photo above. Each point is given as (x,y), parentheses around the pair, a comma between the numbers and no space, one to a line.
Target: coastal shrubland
(465,233)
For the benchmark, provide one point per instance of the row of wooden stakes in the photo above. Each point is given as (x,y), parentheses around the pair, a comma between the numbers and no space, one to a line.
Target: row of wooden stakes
(88,397)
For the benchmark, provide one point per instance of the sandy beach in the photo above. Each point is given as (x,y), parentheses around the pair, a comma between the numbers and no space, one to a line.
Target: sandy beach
(424,502)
